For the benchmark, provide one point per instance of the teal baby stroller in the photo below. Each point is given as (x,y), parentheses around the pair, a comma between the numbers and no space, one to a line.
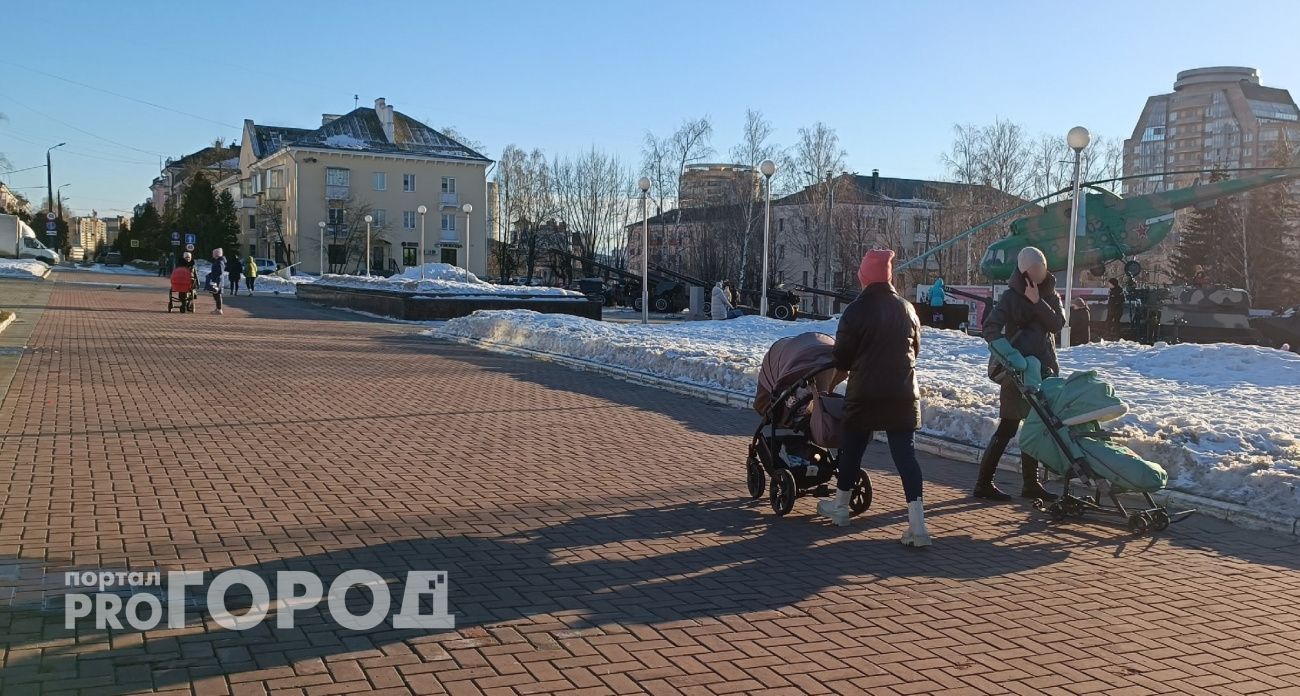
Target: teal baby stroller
(1063,432)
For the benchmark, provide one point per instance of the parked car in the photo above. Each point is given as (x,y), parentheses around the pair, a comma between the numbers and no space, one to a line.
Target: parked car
(265,266)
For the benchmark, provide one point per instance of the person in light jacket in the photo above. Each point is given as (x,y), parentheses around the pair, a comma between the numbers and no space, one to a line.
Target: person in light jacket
(720,306)
(937,299)
(877,343)
(1029,316)
(250,273)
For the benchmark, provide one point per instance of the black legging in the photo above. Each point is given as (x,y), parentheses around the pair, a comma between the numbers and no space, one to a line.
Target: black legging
(1006,430)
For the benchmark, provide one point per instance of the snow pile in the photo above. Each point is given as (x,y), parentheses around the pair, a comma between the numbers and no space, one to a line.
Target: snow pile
(1223,419)
(345,141)
(275,284)
(118,270)
(440,279)
(23,268)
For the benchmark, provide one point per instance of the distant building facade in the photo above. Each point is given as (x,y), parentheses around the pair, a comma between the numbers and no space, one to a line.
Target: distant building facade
(88,233)
(374,161)
(215,162)
(12,202)
(717,184)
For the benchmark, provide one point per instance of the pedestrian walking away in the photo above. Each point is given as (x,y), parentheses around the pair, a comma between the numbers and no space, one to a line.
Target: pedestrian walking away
(1114,309)
(250,273)
(877,343)
(234,268)
(215,277)
(1028,315)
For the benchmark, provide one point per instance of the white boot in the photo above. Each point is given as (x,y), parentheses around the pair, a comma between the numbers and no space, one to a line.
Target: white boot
(916,534)
(836,510)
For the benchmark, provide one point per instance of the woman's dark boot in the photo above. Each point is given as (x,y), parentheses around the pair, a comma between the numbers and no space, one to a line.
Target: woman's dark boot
(984,487)
(1032,489)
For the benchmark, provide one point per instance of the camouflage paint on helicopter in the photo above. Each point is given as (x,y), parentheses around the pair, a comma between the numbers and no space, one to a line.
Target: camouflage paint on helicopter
(1116,227)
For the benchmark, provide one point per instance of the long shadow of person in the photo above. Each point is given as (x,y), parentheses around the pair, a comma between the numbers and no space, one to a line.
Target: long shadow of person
(650,565)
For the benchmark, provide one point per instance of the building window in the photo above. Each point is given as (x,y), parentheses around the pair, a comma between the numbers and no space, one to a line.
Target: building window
(252,222)
(780,252)
(337,216)
(408,183)
(448,222)
(839,278)
(448,184)
(381,217)
(780,225)
(449,257)
(410,255)
(408,219)
(805,222)
(780,277)
(335,176)
(805,277)
(381,181)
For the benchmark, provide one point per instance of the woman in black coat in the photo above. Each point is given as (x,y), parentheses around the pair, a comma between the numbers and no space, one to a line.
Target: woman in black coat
(1029,316)
(877,342)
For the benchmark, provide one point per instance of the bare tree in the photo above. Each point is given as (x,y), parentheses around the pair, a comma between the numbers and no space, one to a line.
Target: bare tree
(348,232)
(998,154)
(591,193)
(816,153)
(753,148)
(664,160)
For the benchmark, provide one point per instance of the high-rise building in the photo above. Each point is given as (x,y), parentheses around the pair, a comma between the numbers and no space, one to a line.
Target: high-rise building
(1216,118)
(717,184)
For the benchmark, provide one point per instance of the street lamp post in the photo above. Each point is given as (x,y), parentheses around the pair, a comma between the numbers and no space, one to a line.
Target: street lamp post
(468,209)
(422,210)
(369,219)
(1077,139)
(644,185)
(321,225)
(59,195)
(49,177)
(768,168)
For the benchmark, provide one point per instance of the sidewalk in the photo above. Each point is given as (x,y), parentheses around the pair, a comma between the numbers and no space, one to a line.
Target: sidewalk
(596,534)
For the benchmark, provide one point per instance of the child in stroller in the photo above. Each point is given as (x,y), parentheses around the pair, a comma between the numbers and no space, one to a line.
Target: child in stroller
(801,423)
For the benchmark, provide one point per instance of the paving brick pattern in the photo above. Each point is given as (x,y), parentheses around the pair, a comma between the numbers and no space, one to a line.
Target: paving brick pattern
(596,533)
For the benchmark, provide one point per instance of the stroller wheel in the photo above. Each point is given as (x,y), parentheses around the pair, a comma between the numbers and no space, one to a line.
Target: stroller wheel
(1056,511)
(860,500)
(755,478)
(783,492)
(1138,523)
(1160,520)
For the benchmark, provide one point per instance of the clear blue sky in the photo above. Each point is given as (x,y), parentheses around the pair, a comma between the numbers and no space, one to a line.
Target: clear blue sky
(891,78)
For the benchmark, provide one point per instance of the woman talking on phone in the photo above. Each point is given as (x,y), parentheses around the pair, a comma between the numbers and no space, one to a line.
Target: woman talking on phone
(1028,315)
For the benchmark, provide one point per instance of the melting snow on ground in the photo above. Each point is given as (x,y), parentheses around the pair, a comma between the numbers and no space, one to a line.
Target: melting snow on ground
(440,279)
(23,268)
(1223,419)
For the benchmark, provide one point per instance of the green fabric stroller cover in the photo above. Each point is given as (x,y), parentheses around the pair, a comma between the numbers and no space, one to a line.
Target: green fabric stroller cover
(1081,402)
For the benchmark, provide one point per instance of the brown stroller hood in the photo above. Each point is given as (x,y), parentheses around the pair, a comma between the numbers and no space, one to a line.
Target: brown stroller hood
(790,360)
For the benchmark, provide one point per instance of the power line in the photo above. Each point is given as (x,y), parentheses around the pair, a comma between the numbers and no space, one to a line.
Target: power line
(82,130)
(121,96)
(75,152)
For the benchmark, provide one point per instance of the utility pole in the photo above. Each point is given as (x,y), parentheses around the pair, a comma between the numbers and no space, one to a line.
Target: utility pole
(830,251)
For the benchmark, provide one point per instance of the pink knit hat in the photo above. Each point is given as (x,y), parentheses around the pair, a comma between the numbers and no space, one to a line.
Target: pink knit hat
(877,267)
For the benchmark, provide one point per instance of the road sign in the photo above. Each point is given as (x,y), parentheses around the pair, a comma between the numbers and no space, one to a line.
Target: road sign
(135,244)
(190,240)
(189,247)
(176,238)
(50,226)
(51,216)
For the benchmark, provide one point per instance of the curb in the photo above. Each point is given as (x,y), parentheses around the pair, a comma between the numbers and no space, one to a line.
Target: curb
(1234,513)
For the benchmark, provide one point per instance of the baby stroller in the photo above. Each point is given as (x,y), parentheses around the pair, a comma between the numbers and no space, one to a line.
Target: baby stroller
(796,443)
(1063,432)
(182,292)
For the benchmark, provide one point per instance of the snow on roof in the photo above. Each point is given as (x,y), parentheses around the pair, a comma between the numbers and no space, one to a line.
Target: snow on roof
(362,131)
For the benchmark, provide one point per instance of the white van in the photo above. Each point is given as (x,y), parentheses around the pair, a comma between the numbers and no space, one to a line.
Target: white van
(17,240)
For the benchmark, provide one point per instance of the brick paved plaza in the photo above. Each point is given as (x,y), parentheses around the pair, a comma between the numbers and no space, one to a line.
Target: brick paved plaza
(596,534)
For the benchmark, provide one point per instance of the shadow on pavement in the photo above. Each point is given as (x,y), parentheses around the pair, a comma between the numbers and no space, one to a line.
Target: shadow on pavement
(650,565)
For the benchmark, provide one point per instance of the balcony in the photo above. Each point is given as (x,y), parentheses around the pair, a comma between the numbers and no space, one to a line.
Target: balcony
(337,193)
(274,193)
(450,200)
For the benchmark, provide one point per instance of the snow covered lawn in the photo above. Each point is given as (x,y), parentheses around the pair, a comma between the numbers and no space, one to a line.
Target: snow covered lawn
(1223,419)
(23,268)
(101,268)
(439,279)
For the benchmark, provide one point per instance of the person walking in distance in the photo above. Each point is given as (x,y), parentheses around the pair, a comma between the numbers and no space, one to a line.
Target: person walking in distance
(215,278)
(234,269)
(1080,322)
(1114,308)
(878,340)
(1028,315)
(250,273)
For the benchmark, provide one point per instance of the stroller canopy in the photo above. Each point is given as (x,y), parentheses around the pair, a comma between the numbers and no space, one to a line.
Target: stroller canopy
(790,360)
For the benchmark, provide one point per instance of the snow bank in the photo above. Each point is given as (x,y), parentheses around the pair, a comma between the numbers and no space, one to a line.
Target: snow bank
(1223,419)
(440,279)
(22,268)
(118,270)
(275,284)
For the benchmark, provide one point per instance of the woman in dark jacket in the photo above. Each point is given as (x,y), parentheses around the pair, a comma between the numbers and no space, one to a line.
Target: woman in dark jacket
(877,342)
(234,269)
(1028,315)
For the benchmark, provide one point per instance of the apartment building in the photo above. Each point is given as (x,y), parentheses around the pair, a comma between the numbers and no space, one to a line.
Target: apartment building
(371,161)
(717,184)
(88,233)
(216,162)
